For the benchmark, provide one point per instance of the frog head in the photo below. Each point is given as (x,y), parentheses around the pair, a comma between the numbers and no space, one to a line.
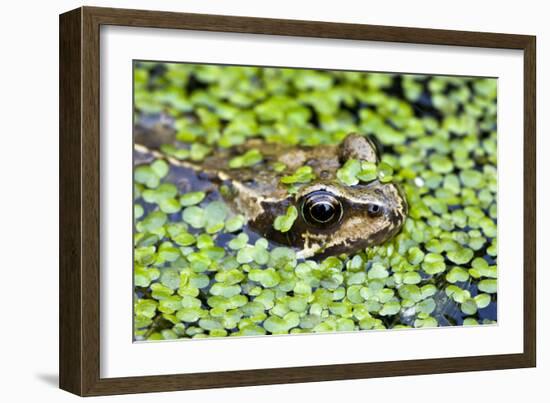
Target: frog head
(333,217)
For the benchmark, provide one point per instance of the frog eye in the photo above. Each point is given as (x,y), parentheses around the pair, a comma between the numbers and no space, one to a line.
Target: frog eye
(321,209)
(374,210)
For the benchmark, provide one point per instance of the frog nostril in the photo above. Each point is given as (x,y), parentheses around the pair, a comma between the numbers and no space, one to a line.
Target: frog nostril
(374,210)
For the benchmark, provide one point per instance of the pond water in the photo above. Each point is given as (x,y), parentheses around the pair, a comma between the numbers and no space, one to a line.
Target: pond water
(200,270)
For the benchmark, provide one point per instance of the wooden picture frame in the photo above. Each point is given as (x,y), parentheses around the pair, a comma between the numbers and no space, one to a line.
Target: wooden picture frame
(80,200)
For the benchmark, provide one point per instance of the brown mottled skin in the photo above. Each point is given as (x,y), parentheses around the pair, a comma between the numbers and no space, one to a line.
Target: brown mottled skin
(258,193)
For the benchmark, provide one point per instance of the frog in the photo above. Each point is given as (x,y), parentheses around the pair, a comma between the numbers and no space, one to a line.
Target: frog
(332,217)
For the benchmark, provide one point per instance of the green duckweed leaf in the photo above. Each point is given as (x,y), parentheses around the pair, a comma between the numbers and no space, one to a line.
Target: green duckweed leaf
(160,168)
(184,239)
(434,246)
(278,166)
(215,214)
(410,292)
(460,256)
(204,241)
(153,221)
(349,171)
(146,308)
(225,290)
(278,325)
(248,159)
(425,322)
(377,271)
(246,254)
(210,324)
(471,178)
(239,241)
(145,175)
(482,300)
(160,291)
(411,277)
(170,278)
(162,192)
(234,223)
(441,164)
(385,172)
(428,290)
(168,252)
(194,216)
(390,308)
(368,172)
(282,256)
(426,306)
(415,255)
(189,315)
(469,306)
(302,175)
(138,211)
(144,276)
(178,153)
(145,255)
(170,304)
(488,285)
(198,151)
(169,206)
(191,198)
(283,223)
(434,263)
(260,254)
(457,274)
(267,277)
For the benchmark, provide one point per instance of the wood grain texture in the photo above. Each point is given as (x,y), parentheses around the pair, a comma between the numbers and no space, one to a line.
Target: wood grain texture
(90,201)
(316,29)
(70,271)
(80,200)
(530,203)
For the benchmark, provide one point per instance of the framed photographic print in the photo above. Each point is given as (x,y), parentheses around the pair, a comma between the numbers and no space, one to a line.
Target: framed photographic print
(250,201)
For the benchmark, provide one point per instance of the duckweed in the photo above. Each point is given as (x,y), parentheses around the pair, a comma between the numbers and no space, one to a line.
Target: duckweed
(302,175)
(283,223)
(198,270)
(191,198)
(349,171)
(368,172)
(248,159)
